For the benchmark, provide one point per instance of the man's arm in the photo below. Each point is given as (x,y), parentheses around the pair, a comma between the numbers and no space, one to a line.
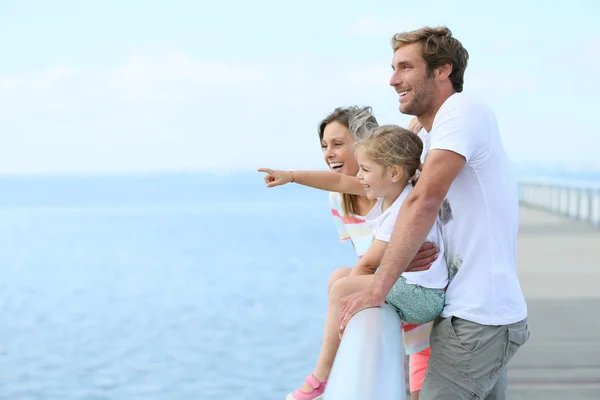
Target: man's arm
(416,217)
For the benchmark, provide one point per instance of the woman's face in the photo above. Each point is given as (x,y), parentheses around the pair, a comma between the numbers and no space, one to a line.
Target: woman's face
(337,146)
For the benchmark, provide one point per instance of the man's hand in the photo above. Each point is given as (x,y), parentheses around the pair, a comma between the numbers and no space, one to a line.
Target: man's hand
(427,254)
(357,302)
(276,178)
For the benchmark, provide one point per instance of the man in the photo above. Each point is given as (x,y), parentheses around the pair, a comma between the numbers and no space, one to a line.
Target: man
(467,179)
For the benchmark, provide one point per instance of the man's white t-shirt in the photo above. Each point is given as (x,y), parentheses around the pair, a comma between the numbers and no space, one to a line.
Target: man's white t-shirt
(382,223)
(480,216)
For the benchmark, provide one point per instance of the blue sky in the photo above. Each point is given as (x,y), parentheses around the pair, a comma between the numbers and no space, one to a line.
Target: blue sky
(128,86)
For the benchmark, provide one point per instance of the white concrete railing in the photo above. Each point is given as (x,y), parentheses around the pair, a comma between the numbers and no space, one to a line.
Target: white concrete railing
(573,200)
(369,364)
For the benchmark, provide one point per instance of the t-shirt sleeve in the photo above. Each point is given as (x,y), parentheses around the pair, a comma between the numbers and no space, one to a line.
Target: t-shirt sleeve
(464,129)
(335,202)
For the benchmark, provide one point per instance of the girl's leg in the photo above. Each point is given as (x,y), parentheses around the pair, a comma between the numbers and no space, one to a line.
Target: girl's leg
(331,339)
(415,304)
(337,274)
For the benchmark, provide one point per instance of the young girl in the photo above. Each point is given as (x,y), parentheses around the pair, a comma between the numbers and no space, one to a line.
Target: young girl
(388,161)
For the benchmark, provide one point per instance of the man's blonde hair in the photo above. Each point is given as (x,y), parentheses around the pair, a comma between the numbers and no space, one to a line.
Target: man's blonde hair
(438,47)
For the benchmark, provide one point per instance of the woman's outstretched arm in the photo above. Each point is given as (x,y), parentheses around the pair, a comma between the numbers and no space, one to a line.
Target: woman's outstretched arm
(324,180)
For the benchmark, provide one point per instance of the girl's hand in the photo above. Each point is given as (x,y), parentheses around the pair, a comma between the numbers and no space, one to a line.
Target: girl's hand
(414,125)
(276,177)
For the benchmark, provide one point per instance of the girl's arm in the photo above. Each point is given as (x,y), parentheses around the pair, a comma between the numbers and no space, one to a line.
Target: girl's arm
(324,180)
(367,265)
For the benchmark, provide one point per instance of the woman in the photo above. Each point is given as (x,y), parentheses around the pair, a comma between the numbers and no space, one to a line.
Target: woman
(348,210)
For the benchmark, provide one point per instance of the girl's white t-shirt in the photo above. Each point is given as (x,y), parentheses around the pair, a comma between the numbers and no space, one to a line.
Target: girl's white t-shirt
(382,223)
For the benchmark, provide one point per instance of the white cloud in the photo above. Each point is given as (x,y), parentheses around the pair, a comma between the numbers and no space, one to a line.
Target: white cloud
(171,111)
(587,52)
(494,83)
(170,77)
(371,25)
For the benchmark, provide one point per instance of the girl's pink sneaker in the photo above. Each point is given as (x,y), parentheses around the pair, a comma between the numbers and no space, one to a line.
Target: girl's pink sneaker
(315,394)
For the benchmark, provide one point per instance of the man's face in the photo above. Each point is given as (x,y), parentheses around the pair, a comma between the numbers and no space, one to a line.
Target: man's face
(411,79)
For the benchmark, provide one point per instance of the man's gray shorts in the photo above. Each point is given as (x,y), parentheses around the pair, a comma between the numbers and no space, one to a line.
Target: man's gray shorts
(468,360)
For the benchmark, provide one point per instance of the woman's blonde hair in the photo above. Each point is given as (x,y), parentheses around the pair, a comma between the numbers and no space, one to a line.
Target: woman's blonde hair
(344,115)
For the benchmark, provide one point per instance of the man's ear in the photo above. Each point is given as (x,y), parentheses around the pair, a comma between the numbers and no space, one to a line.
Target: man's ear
(443,71)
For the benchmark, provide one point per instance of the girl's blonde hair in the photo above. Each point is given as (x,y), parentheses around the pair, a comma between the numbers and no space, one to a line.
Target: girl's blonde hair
(390,145)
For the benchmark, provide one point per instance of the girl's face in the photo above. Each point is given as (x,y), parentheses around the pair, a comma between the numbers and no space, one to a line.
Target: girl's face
(377,180)
(337,149)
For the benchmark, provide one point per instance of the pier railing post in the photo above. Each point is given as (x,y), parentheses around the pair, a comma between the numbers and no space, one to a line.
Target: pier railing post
(370,361)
